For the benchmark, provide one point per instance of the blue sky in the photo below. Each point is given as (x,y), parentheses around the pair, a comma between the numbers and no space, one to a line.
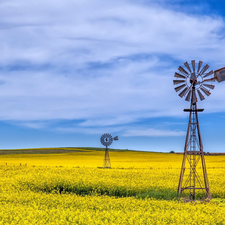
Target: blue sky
(73,70)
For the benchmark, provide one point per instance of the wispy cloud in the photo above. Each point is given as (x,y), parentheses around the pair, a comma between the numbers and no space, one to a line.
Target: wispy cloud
(151,132)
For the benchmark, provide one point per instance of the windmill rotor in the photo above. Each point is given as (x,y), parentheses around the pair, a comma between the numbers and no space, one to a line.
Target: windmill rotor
(194,76)
(106,139)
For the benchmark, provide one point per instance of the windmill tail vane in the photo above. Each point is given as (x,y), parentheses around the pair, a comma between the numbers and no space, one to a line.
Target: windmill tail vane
(116,138)
(220,74)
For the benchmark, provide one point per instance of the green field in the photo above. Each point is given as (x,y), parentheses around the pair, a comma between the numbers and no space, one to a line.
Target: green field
(69,186)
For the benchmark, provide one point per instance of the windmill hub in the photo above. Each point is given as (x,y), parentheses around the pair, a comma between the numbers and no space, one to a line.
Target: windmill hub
(193,78)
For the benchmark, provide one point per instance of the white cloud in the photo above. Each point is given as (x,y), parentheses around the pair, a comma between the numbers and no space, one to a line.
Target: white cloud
(151,132)
(31,124)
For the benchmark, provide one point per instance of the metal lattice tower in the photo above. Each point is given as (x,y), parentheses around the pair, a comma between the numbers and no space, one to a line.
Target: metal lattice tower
(193,181)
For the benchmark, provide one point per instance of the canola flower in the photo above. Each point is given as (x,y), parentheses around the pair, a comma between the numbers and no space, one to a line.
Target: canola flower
(142,194)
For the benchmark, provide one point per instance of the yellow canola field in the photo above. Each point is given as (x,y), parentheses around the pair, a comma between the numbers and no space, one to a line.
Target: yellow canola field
(69,188)
(93,158)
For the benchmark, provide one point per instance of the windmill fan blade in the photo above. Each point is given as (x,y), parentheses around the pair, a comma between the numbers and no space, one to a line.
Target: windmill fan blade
(179,87)
(204,69)
(187,66)
(179,75)
(209,86)
(199,66)
(209,73)
(209,80)
(178,81)
(188,96)
(201,96)
(182,94)
(182,70)
(205,91)
(193,65)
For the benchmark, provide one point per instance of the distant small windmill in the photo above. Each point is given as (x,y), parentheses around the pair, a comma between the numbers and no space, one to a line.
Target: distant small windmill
(106,140)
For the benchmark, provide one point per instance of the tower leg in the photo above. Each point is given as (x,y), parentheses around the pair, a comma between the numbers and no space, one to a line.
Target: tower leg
(184,160)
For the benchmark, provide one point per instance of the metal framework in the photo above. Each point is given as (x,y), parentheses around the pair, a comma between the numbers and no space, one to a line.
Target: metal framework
(193,154)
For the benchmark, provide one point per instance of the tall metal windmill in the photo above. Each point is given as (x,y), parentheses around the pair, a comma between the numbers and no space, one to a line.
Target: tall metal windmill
(194,83)
(106,140)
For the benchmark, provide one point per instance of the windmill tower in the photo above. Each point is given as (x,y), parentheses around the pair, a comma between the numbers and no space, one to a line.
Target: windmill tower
(193,84)
(106,140)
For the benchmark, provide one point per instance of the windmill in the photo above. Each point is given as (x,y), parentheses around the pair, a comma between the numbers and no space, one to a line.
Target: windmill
(106,140)
(194,82)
